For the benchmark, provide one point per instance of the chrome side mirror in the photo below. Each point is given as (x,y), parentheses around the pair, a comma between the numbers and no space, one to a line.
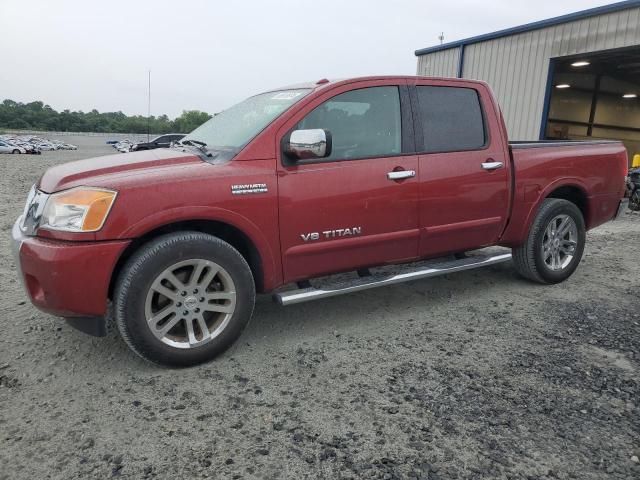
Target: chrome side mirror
(305,144)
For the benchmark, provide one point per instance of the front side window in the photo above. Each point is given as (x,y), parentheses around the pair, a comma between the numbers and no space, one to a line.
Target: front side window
(363,123)
(452,119)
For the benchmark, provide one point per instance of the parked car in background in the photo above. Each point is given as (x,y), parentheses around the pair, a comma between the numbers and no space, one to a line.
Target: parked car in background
(34,144)
(29,148)
(123,146)
(301,183)
(18,142)
(66,146)
(163,141)
(10,148)
(45,146)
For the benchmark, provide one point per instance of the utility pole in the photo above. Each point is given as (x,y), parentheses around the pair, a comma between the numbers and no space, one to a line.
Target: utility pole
(441,38)
(149,108)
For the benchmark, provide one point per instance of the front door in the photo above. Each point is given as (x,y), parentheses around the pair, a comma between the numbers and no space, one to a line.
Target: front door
(352,209)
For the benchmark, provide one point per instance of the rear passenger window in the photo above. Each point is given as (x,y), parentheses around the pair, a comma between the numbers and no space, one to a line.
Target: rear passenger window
(452,119)
(363,123)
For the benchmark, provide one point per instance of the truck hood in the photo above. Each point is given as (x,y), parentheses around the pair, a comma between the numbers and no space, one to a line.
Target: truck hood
(85,172)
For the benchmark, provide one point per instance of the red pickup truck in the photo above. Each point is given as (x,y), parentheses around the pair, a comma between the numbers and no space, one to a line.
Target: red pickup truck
(300,183)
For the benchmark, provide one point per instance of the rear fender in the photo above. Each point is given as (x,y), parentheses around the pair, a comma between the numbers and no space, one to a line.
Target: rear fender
(527,203)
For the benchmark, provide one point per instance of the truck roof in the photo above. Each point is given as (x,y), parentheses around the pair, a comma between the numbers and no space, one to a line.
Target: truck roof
(324,82)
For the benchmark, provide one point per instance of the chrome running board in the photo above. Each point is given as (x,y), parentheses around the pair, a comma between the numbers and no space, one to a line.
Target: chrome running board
(405,273)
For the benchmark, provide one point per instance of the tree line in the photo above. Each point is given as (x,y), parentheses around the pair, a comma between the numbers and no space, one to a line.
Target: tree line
(38,116)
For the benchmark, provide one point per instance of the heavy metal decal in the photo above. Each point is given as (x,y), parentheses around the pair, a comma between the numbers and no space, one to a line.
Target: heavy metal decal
(249,188)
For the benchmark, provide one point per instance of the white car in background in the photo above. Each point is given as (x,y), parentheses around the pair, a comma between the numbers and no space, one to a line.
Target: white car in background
(68,146)
(45,146)
(123,146)
(9,148)
(34,144)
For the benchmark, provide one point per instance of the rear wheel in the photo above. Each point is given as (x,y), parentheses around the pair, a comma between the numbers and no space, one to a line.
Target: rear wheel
(183,299)
(555,243)
(16,152)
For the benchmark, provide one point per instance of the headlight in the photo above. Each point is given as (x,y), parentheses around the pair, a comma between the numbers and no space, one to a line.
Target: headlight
(80,209)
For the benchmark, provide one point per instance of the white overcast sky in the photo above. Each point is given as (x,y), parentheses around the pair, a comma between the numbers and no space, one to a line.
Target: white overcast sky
(207,55)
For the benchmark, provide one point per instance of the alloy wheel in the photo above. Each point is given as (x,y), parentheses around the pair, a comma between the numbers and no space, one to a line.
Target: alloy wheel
(559,242)
(190,303)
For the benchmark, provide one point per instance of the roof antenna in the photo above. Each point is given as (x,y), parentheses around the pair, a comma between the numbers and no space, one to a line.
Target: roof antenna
(441,38)
(149,108)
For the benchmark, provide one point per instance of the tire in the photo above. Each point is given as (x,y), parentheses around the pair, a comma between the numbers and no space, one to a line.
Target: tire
(548,259)
(158,278)
(634,200)
(16,152)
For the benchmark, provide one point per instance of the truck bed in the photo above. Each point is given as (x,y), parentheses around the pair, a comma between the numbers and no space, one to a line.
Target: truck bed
(589,171)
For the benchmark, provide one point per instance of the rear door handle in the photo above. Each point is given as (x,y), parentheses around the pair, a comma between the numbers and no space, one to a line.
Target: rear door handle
(492,165)
(400,174)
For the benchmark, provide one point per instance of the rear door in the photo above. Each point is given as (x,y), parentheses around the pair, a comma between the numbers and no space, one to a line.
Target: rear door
(464,167)
(350,210)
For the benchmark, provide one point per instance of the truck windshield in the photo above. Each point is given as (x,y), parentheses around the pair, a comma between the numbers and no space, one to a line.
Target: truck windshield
(233,128)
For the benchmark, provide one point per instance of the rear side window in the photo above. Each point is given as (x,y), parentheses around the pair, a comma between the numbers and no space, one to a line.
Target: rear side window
(452,119)
(363,123)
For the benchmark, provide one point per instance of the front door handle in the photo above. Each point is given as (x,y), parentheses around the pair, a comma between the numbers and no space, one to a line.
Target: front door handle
(401,174)
(492,165)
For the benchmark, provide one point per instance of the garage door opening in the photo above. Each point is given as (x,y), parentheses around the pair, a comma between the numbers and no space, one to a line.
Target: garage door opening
(596,96)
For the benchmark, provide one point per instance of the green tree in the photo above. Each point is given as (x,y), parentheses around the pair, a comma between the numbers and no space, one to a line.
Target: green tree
(190,120)
(38,116)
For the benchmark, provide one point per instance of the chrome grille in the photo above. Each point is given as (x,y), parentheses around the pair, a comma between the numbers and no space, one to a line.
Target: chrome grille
(33,210)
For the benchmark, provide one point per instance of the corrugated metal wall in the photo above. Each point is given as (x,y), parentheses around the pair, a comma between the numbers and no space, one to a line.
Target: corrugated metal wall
(516,66)
(439,64)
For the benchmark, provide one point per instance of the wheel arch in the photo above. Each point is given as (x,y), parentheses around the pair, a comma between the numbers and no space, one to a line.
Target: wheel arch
(574,194)
(223,230)
(524,213)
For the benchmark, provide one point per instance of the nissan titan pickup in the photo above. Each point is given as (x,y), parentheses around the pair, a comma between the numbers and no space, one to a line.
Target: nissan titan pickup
(282,191)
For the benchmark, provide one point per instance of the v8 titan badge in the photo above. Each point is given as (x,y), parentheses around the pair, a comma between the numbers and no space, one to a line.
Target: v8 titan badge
(328,234)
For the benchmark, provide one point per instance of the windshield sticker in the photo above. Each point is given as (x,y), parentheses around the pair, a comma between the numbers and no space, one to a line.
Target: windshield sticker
(286,95)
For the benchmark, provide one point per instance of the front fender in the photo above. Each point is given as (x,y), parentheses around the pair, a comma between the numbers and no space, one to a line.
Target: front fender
(270,266)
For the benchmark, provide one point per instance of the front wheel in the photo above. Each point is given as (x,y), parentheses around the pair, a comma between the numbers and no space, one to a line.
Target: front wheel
(555,243)
(183,299)
(16,152)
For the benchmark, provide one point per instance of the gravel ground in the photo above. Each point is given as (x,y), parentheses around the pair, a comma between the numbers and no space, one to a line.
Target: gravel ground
(473,375)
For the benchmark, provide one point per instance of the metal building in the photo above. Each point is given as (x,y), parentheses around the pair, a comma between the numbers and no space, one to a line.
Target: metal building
(575,76)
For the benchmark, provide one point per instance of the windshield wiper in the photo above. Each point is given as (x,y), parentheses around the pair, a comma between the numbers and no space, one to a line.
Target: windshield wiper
(196,143)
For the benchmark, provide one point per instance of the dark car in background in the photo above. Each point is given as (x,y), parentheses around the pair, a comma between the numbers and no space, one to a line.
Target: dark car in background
(163,141)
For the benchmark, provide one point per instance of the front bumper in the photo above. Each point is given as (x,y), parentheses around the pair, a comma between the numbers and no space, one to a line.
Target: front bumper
(67,279)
